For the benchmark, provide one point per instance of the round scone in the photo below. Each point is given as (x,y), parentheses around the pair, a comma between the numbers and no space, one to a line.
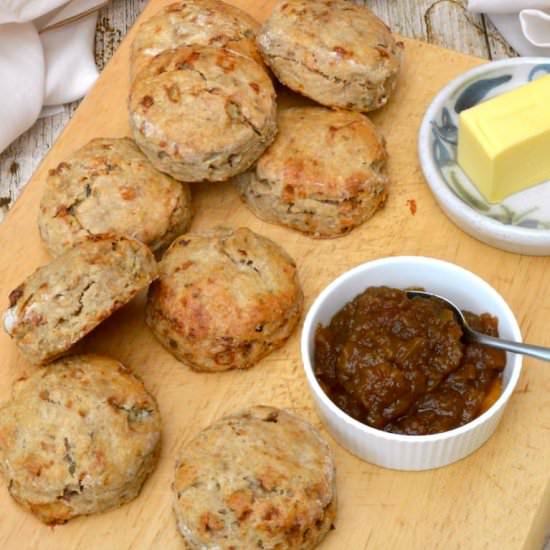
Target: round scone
(323,175)
(200,22)
(77,438)
(334,51)
(224,299)
(64,300)
(261,478)
(202,113)
(109,186)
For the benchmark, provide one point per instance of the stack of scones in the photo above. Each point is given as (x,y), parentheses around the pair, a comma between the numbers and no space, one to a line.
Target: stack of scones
(82,433)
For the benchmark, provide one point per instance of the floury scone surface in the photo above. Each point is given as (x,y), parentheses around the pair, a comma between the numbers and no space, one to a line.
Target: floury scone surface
(202,113)
(61,302)
(109,186)
(332,51)
(258,478)
(200,22)
(78,437)
(324,175)
(225,298)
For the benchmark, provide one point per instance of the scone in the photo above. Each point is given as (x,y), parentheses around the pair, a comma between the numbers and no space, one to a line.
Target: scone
(77,438)
(224,299)
(323,175)
(261,478)
(202,113)
(64,300)
(334,51)
(200,22)
(109,186)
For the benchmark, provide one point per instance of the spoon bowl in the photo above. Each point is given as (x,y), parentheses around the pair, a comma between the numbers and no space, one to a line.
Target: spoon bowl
(472,336)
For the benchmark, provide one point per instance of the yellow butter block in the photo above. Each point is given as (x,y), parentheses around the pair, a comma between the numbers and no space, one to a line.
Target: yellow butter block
(504,143)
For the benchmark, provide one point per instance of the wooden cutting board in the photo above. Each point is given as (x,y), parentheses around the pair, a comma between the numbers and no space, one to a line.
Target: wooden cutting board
(498,498)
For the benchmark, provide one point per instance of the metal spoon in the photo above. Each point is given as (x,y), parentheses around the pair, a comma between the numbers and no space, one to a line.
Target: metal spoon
(471,335)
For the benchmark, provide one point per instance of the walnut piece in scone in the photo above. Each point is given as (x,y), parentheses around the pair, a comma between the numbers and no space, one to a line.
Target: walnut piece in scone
(202,113)
(324,174)
(78,437)
(109,186)
(334,51)
(260,478)
(200,22)
(64,300)
(224,299)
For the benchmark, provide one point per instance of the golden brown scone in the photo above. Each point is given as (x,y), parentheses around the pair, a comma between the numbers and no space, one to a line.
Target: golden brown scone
(201,22)
(324,175)
(64,300)
(225,298)
(334,51)
(78,437)
(261,478)
(202,113)
(109,186)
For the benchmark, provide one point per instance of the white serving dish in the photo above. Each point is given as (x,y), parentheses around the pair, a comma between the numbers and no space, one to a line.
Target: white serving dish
(469,292)
(521,222)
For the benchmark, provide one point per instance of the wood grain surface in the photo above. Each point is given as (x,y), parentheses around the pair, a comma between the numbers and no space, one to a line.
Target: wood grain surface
(498,498)
(442,22)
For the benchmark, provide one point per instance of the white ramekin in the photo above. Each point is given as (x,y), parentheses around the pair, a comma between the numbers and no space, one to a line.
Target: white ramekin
(468,291)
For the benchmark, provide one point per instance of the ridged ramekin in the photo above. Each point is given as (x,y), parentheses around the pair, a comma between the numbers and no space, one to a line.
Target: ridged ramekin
(468,291)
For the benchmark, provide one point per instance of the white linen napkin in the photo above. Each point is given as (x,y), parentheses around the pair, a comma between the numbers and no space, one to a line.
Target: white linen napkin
(525,24)
(43,62)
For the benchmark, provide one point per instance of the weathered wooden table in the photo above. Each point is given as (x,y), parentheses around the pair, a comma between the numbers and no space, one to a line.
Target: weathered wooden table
(442,22)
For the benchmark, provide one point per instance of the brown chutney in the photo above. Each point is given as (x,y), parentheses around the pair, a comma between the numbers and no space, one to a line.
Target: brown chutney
(399,364)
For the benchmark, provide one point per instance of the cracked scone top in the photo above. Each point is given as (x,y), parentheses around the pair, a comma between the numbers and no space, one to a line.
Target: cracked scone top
(66,299)
(260,478)
(225,298)
(202,113)
(78,437)
(334,51)
(321,195)
(201,22)
(109,186)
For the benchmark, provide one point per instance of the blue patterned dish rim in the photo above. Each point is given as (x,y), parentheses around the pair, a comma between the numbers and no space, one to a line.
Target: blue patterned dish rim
(524,215)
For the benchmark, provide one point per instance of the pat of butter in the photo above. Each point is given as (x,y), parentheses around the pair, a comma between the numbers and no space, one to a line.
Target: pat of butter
(504,143)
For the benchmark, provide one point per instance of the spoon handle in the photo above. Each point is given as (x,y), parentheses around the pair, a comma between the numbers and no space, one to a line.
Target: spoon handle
(526,349)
